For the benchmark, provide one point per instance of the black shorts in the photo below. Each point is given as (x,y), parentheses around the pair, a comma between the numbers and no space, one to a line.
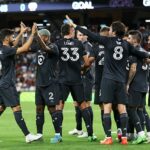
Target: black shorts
(77,92)
(48,95)
(97,97)
(136,98)
(113,92)
(88,85)
(9,96)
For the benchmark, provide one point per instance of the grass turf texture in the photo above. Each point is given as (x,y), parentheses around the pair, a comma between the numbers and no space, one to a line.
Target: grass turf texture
(11,137)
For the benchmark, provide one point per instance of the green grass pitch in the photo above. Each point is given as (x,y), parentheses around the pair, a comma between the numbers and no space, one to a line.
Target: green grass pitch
(11,137)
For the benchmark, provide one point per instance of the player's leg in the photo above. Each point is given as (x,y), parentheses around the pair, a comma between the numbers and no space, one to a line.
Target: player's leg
(22,125)
(51,99)
(147,120)
(142,117)
(88,85)
(140,110)
(63,90)
(40,106)
(78,118)
(98,101)
(77,93)
(56,120)
(40,118)
(107,96)
(123,122)
(134,101)
(11,99)
(117,121)
(122,100)
(130,128)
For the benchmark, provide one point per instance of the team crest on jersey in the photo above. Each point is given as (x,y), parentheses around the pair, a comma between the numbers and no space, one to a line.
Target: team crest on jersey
(41,59)
(101,46)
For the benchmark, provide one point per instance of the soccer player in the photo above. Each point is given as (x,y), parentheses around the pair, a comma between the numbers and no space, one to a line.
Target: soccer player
(135,88)
(47,89)
(71,53)
(148,42)
(88,81)
(8,93)
(117,51)
(99,65)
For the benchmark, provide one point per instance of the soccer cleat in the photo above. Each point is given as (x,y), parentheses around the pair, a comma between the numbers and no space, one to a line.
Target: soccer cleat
(140,139)
(92,138)
(75,132)
(131,137)
(124,141)
(30,138)
(148,139)
(107,141)
(56,139)
(84,135)
(119,134)
(40,136)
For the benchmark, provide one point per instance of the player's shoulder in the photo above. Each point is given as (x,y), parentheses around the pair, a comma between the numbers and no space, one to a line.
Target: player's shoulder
(6,49)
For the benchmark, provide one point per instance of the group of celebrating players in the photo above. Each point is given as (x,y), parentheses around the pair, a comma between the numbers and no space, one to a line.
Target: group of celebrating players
(63,67)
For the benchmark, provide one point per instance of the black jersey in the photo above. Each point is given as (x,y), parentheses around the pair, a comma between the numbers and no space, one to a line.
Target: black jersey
(46,64)
(71,52)
(116,54)
(7,66)
(140,81)
(99,61)
(89,51)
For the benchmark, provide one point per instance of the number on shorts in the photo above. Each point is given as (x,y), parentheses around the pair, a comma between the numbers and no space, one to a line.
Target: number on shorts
(118,53)
(51,96)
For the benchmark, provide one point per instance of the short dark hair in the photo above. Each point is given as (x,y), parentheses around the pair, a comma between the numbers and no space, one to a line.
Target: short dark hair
(136,35)
(4,33)
(65,29)
(119,28)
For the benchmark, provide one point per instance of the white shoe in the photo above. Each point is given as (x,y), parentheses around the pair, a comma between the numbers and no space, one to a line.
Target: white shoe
(75,132)
(40,135)
(30,138)
(84,135)
(148,139)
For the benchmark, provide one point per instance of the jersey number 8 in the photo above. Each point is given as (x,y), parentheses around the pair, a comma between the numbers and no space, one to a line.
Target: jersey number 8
(118,53)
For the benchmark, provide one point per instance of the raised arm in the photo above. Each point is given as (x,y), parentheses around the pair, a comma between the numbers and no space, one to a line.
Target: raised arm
(27,45)
(23,29)
(95,37)
(141,54)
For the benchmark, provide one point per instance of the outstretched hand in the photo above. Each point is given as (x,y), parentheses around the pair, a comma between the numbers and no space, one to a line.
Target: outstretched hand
(34,28)
(23,27)
(70,22)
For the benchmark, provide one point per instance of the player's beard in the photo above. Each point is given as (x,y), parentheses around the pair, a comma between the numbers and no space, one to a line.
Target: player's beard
(11,43)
